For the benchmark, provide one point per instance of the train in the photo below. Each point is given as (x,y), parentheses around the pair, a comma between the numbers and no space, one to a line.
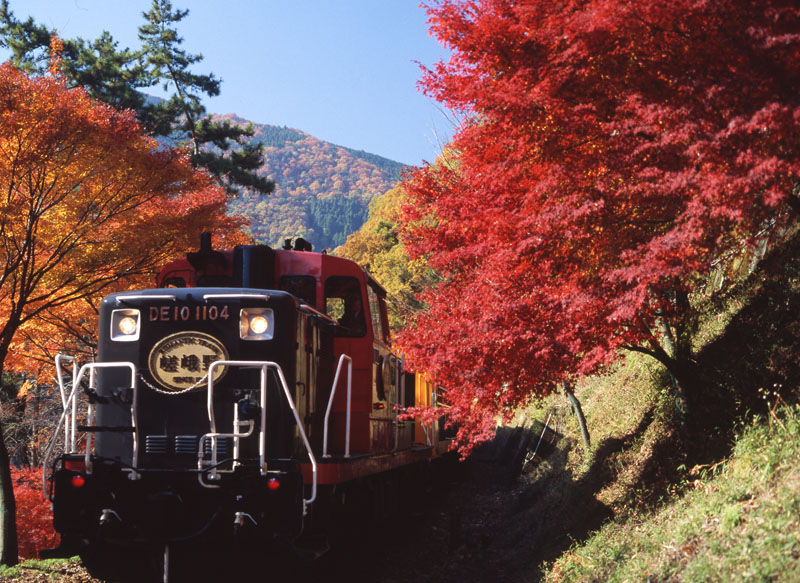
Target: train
(245,395)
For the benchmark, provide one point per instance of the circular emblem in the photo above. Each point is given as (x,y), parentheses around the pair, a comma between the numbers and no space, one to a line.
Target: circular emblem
(181,361)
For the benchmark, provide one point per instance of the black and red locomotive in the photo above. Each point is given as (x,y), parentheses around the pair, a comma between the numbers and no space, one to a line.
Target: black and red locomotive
(248,388)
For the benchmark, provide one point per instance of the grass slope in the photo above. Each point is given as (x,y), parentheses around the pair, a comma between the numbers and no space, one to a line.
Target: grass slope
(738,520)
(645,503)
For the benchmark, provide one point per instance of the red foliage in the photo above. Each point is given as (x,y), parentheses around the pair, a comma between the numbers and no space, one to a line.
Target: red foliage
(613,149)
(34,517)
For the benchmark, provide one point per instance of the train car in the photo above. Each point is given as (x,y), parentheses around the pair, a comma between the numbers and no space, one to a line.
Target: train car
(251,388)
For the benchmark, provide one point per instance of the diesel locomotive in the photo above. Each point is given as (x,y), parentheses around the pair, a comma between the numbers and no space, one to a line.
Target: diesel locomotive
(247,389)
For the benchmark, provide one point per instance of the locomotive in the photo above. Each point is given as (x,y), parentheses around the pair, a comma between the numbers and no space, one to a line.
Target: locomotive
(247,391)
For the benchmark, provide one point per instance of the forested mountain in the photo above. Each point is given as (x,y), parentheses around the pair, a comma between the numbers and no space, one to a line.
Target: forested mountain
(322,190)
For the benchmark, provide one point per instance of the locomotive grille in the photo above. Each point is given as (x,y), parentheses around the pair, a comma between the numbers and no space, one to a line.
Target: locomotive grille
(187,444)
(155,444)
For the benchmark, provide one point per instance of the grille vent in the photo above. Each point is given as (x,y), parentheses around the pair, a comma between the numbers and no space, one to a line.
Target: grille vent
(187,444)
(155,444)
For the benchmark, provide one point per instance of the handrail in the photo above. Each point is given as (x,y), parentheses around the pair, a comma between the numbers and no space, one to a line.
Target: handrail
(310,310)
(213,434)
(128,297)
(52,444)
(235,296)
(399,399)
(70,414)
(325,453)
(264,365)
(91,367)
(69,438)
(427,435)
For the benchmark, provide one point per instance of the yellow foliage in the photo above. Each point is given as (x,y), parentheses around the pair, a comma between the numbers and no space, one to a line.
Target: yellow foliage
(377,248)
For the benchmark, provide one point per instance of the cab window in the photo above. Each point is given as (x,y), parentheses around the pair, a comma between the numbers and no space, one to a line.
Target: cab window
(303,287)
(177,279)
(343,303)
(377,311)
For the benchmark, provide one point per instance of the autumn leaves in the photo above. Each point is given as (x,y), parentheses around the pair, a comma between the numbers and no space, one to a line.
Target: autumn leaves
(610,152)
(89,204)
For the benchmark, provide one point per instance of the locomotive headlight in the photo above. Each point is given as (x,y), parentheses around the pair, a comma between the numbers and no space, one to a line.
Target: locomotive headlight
(256,324)
(125,325)
(128,325)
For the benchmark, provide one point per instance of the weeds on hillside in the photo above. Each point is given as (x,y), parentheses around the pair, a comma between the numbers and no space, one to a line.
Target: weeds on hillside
(738,521)
(694,502)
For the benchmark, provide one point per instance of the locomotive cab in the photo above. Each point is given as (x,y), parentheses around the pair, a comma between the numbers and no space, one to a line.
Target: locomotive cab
(351,298)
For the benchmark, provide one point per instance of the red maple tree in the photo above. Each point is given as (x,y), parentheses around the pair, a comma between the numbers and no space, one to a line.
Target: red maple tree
(34,516)
(612,150)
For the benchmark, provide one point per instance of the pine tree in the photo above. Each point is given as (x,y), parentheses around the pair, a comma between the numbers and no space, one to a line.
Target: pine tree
(119,76)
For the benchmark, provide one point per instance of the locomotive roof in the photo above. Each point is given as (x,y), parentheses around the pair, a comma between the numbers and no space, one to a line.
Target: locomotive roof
(288,262)
(195,293)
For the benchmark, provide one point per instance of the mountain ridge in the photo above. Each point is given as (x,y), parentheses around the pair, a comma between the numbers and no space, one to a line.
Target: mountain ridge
(322,192)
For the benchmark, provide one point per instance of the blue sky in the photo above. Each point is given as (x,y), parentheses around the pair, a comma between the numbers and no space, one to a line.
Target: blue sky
(344,71)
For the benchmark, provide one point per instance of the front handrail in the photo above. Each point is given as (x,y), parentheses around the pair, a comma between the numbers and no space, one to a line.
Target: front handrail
(69,435)
(67,405)
(342,358)
(264,365)
(92,367)
(129,297)
(70,414)
(235,296)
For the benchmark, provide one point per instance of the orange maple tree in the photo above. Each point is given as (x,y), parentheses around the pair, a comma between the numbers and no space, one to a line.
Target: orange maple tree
(88,204)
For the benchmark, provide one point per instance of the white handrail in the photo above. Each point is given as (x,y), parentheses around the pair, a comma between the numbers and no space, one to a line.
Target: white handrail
(49,449)
(235,296)
(264,365)
(91,367)
(127,297)
(70,413)
(325,453)
(69,438)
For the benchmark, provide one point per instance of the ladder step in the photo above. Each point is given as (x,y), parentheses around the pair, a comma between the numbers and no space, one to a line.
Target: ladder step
(106,428)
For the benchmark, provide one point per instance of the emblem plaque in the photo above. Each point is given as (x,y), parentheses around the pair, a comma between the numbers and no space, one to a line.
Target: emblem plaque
(181,361)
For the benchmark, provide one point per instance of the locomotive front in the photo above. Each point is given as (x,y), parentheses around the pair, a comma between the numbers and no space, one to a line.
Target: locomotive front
(196,425)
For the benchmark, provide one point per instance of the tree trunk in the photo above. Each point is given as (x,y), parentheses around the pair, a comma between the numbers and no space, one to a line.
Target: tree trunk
(576,406)
(793,199)
(8,508)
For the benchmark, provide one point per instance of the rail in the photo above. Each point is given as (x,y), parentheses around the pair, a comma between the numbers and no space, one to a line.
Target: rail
(349,360)
(309,310)
(235,296)
(69,436)
(69,417)
(400,400)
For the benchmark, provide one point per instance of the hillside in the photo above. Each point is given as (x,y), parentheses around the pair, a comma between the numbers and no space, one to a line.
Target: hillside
(322,190)
(715,498)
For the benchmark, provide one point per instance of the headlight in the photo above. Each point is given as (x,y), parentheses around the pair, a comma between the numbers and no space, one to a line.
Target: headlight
(256,324)
(125,325)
